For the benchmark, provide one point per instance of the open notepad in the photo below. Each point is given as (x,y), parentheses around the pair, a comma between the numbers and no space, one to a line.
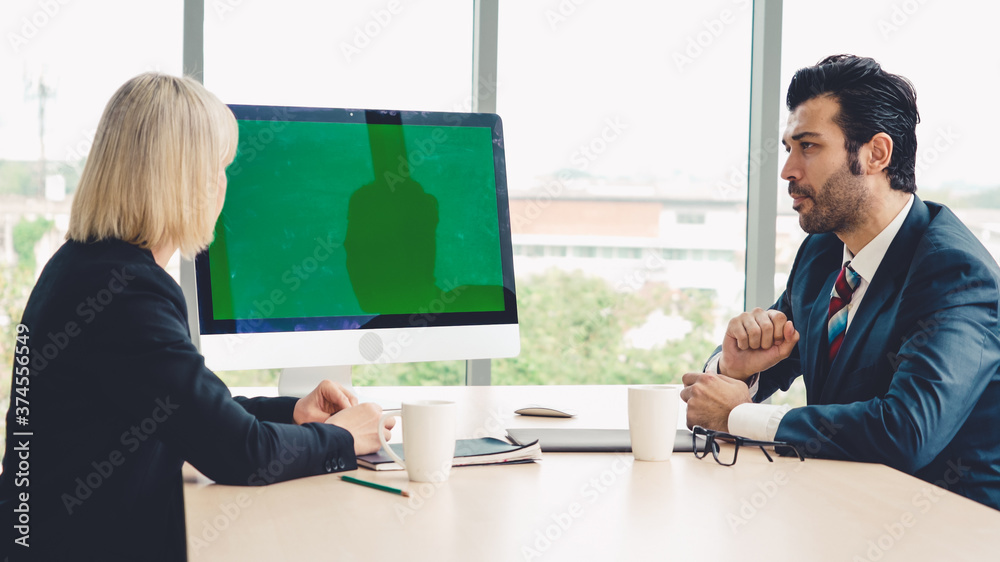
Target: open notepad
(468,452)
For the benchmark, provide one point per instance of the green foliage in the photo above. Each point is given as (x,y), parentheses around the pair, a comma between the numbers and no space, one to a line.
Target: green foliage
(959,199)
(19,178)
(988,199)
(15,285)
(573,332)
(795,397)
(26,235)
(255,377)
(72,172)
(410,374)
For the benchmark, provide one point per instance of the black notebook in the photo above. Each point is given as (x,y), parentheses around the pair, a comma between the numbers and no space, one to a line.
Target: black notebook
(566,440)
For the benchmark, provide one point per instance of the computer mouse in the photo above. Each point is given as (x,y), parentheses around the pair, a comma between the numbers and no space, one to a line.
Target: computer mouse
(544,411)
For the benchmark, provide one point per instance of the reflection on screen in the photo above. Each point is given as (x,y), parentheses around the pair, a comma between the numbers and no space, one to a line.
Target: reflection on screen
(354,220)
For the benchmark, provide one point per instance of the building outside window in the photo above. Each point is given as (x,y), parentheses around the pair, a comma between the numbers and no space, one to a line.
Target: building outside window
(633,146)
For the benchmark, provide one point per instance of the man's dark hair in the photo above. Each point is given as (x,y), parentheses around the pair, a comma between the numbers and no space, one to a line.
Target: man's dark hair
(871,101)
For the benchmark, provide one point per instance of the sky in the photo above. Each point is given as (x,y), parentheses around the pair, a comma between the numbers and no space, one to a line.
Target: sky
(625,90)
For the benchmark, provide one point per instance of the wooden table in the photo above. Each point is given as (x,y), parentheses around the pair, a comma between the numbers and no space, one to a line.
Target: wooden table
(590,506)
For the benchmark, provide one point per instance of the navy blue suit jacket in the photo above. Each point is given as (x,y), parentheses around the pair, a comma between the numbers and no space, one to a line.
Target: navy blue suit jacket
(119,399)
(915,385)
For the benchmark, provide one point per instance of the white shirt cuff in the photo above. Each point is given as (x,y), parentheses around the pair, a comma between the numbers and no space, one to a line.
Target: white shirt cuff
(757,421)
(713,367)
(713,364)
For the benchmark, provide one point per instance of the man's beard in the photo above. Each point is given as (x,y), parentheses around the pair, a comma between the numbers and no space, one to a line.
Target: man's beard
(839,207)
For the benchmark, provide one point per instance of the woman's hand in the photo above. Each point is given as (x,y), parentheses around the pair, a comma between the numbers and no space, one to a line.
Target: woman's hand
(326,399)
(363,423)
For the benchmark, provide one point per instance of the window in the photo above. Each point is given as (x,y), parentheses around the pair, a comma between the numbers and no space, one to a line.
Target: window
(674,254)
(629,253)
(720,255)
(534,251)
(6,246)
(691,218)
(929,43)
(579,131)
(371,54)
(355,54)
(61,62)
(576,84)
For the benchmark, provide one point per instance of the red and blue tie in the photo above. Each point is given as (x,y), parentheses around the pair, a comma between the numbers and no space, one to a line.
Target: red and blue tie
(840,297)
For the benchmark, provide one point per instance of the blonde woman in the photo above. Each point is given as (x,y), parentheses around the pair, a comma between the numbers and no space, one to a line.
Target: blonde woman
(119,397)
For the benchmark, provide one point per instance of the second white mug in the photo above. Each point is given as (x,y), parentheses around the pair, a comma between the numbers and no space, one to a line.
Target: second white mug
(652,421)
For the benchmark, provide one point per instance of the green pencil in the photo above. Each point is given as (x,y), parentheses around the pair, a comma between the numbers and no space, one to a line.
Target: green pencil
(403,493)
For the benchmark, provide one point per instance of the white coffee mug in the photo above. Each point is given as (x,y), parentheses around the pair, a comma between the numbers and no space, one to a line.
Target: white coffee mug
(428,439)
(652,421)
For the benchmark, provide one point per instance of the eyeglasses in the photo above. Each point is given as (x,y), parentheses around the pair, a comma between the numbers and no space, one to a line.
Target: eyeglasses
(726,446)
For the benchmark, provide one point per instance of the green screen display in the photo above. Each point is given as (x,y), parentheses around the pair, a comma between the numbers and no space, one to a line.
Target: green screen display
(355,219)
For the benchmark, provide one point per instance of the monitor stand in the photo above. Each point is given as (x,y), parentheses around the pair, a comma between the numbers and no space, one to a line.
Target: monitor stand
(299,381)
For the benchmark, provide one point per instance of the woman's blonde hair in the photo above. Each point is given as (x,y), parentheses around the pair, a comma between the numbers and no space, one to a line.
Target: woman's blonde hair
(152,174)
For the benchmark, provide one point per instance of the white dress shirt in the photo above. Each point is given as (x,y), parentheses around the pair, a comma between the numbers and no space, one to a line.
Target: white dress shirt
(760,421)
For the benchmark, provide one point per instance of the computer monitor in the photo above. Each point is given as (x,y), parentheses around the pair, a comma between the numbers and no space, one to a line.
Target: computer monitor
(354,237)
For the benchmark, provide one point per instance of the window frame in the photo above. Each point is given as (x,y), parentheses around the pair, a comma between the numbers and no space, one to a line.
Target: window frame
(762,152)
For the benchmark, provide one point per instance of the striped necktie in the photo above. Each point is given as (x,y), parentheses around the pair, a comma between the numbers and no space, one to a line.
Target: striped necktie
(840,297)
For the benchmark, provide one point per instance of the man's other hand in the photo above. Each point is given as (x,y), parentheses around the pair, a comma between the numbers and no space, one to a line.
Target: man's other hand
(363,423)
(326,399)
(755,341)
(710,398)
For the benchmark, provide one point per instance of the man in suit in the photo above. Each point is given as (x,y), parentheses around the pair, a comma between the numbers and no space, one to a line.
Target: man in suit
(890,313)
